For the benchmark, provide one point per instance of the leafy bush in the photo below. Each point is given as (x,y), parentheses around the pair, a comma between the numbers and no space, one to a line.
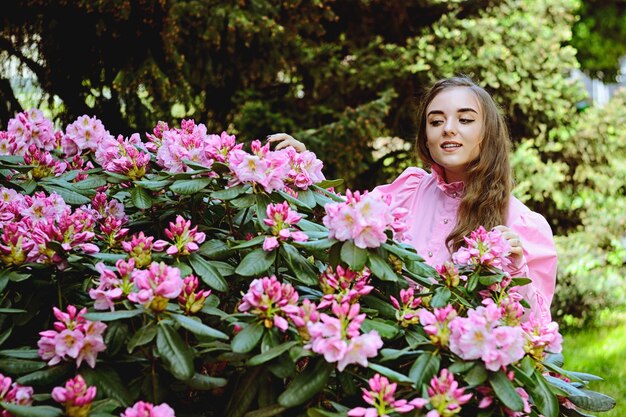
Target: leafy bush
(183,273)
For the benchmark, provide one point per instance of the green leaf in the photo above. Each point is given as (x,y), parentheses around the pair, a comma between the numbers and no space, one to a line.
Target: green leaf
(205,382)
(330,183)
(441,297)
(564,387)
(257,240)
(415,338)
(20,353)
(477,375)
(144,335)
(20,366)
(69,196)
(354,256)
(390,373)
(225,269)
(12,311)
(505,391)
(208,273)
(228,193)
(262,201)
(154,185)
(328,194)
(404,253)
(31,411)
(315,245)
(44,376)
(247,338)
(270,353)
(214,249)
(244,201)
(385,330)
(197,327)
(113,315)
(140,198)
(380,268)
(90,183)
(267,411)
(188,187)
(255,263)
(294,201)
(382,307)
(488,280)
(177,354)
(542,396)
(307,197)
(593,401)
(110,258)
(584,376)
(304,386)
(424,368)
(299,265)
(245,393)
(108,383)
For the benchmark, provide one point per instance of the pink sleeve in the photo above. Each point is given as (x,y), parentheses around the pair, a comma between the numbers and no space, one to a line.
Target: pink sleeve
(403,188)
(540,260)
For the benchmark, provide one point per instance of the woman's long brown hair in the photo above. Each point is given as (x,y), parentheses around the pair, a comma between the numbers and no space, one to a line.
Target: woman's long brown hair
(488,186)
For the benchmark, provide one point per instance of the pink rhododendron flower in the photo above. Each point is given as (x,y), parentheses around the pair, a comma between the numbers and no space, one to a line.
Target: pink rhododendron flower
(190,300)
(140,248)
(85,134)
(76,397)
(343,285)
(484,248)
(482,335)
(270,169)
(280,218)
(271,301)
(123,156)
(219,146)
(450,274)
(30,128)
(364,218)
(156,285)
(144,409)
(436,324)
(14,393)
(306,168)
(186,238)
(339,338)
(381,397)
(445,398)
(173,146)
(406,308)
(45,165)
(109,288)
(542,335)
(73,337)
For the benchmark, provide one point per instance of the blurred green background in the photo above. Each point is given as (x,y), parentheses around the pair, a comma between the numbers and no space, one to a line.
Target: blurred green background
(345,77)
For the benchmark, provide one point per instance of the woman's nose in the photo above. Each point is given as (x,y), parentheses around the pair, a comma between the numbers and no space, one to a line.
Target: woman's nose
(449,127)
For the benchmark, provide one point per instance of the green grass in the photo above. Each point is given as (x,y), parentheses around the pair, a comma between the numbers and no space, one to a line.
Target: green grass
(601,350)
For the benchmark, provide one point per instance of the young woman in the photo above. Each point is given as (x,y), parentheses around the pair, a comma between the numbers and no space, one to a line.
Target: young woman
(463,137)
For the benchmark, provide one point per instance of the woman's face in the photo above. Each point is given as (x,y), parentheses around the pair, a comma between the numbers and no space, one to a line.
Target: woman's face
(454,130)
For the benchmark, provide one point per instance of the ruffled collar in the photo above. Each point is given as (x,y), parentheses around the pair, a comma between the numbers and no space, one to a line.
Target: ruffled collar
(453,189)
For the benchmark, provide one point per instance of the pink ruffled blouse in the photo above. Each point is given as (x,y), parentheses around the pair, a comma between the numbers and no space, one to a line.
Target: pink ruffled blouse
(433,204)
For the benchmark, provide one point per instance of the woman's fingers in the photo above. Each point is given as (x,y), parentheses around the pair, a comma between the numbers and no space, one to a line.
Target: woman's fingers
(513,238)
(284,140)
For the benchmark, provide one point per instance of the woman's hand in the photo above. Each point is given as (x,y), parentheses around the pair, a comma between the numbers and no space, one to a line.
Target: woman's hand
(284,140)
(517,251)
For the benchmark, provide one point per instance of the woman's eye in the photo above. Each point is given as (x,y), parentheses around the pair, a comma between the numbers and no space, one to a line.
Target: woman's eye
(466,121)
(436,122)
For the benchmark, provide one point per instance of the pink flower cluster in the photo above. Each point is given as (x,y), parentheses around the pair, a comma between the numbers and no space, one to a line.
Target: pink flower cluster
(14,393)
(541,335)
(280,219)
(484,248)
(436,324)
(140,248)
(155,286)
(339,339)
(184,237)
(123,156)
(482,335)
(275,170)
(111,218)
(73,337)
(271,301)
(406,307)
(450,274)
(344,285)
(190,142)
(111,288)
(144,409)
(85,134)
(44,164)
(30,223)
(26,129)
(191,300)
(364,218)
(76,396)
(445,398)
(381,397)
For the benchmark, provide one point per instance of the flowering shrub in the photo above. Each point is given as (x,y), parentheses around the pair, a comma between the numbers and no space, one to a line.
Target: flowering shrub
(179,273)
